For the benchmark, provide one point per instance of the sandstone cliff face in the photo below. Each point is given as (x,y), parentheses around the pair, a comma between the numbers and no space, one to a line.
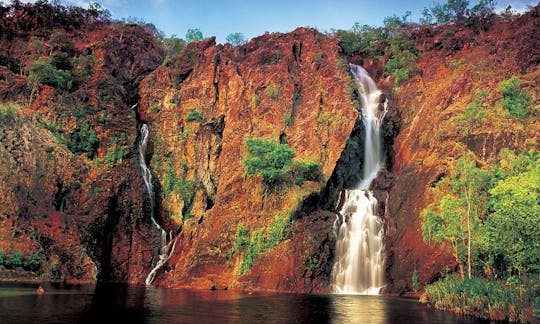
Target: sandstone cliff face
(291,88)
(456,64)
(72,196)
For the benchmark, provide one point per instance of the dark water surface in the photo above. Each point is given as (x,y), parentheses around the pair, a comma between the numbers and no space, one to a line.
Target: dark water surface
(137,304)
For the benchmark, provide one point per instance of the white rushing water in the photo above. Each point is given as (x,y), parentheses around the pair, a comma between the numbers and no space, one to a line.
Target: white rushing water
(165,244)
(359,265)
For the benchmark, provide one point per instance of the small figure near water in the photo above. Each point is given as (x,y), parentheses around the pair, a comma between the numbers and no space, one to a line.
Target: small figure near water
(40,290)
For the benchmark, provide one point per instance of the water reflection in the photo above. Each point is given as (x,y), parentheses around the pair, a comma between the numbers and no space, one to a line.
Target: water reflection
(137,304)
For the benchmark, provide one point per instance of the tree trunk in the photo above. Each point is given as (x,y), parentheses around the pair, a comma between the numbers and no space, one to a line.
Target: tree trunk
(458,260)
(469,270)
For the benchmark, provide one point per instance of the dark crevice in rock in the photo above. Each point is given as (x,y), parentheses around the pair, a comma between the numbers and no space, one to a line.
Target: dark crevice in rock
(347,174)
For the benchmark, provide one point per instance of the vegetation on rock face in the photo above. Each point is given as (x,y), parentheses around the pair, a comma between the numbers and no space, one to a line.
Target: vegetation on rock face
(261,240)
(517,100)
(274,163)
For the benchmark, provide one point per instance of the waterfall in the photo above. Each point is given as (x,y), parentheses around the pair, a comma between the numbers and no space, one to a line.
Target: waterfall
(359,265)
(165,239)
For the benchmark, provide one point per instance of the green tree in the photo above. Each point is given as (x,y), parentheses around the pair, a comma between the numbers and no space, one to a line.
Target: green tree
(173,47)
(455,217)
(512,229)
(236,39)
(194,35)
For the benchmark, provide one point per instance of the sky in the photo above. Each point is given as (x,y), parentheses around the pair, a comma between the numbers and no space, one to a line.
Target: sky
(255,17)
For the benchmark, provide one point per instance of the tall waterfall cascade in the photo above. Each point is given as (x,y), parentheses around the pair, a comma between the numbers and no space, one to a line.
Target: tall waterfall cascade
(165,243)
(359,252)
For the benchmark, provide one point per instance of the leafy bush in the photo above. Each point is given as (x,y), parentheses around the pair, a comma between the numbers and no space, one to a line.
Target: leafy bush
(83,140)
(401,66)
(14,260)
(7,112)
(474,113)
(306,170)
(31,263)
(275,58)
(268,159)
(274,163)
(194,115)
(173,46)
(44,72)
(185,187)
(116,152)
(518,101)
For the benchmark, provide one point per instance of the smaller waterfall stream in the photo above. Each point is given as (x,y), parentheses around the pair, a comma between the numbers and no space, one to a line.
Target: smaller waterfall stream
(165,244)
(359,264)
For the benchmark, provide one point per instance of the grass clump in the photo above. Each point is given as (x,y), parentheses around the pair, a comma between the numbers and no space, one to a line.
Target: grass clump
(487,299)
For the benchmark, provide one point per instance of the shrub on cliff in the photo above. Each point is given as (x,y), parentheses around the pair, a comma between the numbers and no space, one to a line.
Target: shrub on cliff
(268,159)
(194,115)
(274,163)
(517,100)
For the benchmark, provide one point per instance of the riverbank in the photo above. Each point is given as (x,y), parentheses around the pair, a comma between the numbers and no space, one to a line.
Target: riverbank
(493,300)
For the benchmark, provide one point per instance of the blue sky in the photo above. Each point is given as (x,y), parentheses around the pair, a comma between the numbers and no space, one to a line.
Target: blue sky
(254,17)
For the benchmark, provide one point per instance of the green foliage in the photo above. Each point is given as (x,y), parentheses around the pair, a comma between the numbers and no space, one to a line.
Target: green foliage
(194,115)
(504,211)
(264,239)
(268,159)
(173,46)
(14,260)
(272,91)
(474,113)
(83,140)
(414,279)
(236,39)
(186,188)
(194,35)
(515,206)
(8,112)
(363,40)
(311,262)
(242,239)
(274,163)
(31,263)
(487,299)
(43,71)
(401,66)
(1,257)
(455,216)
(306,170)
(517,100)
(116,152)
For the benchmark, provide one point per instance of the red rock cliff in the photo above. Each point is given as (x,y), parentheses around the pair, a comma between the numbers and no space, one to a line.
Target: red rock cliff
(291,88)
(457,63)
